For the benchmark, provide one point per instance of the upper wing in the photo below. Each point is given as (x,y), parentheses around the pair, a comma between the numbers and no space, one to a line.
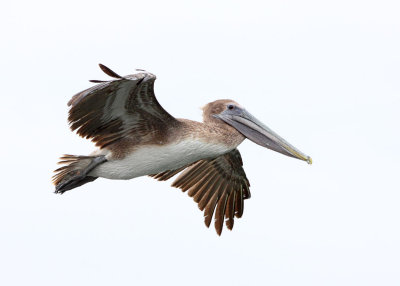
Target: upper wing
(114,109)
(218,184)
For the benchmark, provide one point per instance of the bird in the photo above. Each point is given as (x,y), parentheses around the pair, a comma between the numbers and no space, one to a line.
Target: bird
(136,137)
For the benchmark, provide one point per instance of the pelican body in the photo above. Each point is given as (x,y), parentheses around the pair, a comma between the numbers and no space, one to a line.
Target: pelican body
(137,137)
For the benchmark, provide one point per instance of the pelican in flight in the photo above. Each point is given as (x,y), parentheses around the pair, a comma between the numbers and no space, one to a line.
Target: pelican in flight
(137,137)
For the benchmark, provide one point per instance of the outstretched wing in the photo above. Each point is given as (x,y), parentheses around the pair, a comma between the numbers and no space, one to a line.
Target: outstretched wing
(119,108)
(218,185)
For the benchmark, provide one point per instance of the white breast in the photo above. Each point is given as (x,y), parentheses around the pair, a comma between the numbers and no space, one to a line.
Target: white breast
(153,159)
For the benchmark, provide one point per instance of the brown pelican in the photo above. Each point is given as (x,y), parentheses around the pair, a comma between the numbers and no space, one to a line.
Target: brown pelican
(137,137)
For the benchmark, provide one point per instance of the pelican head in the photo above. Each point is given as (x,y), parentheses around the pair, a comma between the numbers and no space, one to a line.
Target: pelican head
(239,118)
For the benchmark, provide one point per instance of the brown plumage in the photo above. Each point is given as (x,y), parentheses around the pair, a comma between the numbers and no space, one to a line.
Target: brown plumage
(105,116)
(215,182)
(137,137)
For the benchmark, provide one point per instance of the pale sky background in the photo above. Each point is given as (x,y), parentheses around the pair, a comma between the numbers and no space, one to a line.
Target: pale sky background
(325,75)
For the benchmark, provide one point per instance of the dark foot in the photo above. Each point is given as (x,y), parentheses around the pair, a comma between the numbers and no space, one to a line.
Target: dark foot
(72,183)
(77,178)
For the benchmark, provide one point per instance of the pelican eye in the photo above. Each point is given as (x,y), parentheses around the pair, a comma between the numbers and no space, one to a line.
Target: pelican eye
(231,106)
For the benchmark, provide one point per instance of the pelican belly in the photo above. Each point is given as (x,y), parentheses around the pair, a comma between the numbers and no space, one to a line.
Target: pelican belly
(153,159)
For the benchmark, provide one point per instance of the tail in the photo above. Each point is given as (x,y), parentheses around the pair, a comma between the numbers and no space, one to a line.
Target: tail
(74,172)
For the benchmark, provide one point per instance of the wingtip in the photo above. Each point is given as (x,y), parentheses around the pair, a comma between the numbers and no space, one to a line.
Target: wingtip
(103,67)
(108,71)
(229,224)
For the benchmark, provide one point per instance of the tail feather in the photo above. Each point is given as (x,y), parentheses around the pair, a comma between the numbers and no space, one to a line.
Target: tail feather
(74,172)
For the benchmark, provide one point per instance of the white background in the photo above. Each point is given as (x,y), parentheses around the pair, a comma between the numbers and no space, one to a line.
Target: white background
(324,74)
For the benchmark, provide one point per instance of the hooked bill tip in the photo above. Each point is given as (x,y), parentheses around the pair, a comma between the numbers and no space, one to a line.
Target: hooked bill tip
(309,160)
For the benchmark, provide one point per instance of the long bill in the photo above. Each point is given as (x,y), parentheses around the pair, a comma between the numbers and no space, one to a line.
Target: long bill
(260,134)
